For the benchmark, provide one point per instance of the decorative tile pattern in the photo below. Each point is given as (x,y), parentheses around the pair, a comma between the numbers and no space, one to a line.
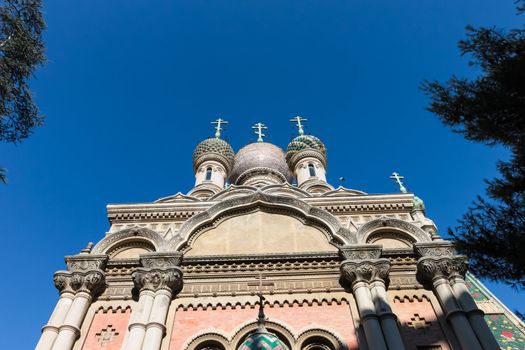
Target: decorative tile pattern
(475,291)
(106,335)
(418,322)
(507,334)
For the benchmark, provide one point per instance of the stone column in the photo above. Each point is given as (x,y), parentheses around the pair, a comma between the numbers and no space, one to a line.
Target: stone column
(86,279)
(50,331)
(360,269)
(387,318)
(158,281)
(467,303)
(435,267)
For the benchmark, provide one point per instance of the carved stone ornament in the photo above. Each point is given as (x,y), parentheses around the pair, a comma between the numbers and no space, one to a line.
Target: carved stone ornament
(365,270)
(155,279)
(430,268)
(86,262)
(436,249)
(92,282)
(361,252)
(161,260)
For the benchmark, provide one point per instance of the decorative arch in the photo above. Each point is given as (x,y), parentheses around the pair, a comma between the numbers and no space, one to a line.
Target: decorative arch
(207,339)
(308,338)
(279,328)
(405,231)
(133,234)
(309,215)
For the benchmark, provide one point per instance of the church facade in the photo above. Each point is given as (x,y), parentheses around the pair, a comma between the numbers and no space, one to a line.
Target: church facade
(263,253)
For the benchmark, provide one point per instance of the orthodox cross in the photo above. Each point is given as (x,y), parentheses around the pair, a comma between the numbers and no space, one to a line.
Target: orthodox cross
(218,128)
(260,283)
(259,127)
(299,125)
(397,178)
(418,322)
(106,335)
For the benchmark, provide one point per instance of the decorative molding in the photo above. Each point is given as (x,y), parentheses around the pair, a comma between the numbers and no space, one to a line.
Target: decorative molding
(160,271)
(115,239)
(92,282)
(414,233)
(435,249)
(361,252)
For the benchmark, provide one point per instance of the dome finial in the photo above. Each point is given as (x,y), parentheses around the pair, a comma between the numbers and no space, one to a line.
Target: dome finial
(218,128)
(298,120)
(397,178)
(258,130)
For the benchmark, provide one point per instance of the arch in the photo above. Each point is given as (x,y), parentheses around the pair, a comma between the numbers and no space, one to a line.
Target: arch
(408,231)
(212,339)
(320,338)
(133,234)
(337,235)
(279,328)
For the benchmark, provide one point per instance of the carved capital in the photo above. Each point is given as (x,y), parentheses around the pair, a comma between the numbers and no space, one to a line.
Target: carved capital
(155,279)
(432,268)
(365,270)
(92,282)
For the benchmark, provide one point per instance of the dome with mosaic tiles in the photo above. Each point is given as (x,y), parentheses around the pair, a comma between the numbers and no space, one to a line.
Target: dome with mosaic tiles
(262,340)
(213,149)
(305,143)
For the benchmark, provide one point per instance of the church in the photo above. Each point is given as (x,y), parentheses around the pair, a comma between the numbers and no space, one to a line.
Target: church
(264,253)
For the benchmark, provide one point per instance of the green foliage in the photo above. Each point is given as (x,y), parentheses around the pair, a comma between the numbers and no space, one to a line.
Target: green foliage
(21,52)
(491,109)
(3,176)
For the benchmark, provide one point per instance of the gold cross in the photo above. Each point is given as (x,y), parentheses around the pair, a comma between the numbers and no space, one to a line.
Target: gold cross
(299,125)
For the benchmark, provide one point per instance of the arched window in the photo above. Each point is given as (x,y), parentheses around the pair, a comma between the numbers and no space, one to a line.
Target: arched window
(317,343)
(210,345)
(208,174)
(311,169)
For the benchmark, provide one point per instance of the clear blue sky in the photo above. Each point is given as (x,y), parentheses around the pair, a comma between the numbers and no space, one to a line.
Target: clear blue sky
(131,86)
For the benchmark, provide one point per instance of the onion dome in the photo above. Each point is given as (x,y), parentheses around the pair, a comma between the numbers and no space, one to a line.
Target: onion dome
(305,146)
(263,340)
(419,204)
(260,159)
(213,149)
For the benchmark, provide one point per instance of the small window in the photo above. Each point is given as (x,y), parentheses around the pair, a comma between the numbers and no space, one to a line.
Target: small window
(208,174)
(311,168)
(429,347)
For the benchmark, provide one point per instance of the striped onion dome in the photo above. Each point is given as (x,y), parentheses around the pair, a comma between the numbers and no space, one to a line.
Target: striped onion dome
(264,340)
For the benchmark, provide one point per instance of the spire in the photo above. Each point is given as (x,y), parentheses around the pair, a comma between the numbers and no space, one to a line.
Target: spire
(218,128)
(397,179)
(298,122)
(258,130)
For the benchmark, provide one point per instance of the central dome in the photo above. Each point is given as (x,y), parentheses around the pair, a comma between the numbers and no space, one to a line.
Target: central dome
(259,157)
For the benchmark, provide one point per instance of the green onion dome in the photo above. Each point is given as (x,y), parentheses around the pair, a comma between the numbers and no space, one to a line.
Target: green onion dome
(263,340)
(213,149)
(304,146)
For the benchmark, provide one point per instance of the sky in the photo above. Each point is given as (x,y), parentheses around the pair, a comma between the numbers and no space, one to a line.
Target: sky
(131,87)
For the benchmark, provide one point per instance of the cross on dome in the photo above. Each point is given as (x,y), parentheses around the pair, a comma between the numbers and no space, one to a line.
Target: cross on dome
(218,128)
(298,120)
(397,178)
(258,130)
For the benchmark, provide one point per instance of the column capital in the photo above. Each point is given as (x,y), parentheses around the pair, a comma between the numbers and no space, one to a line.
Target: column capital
(435,249)
(367,271)
(92,282)
(161,271)
(431,268)
(85,273)
(361,252)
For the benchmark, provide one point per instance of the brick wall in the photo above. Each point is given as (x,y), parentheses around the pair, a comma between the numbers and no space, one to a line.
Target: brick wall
(297,317)
(107,330)
(419,324)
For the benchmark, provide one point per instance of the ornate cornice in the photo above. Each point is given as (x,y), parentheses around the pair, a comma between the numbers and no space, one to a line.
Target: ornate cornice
(310,153)
(361,252)
(365,270)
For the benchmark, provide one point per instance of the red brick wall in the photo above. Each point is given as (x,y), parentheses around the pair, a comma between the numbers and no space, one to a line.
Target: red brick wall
(116,320)
(431,333)
(333,317)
